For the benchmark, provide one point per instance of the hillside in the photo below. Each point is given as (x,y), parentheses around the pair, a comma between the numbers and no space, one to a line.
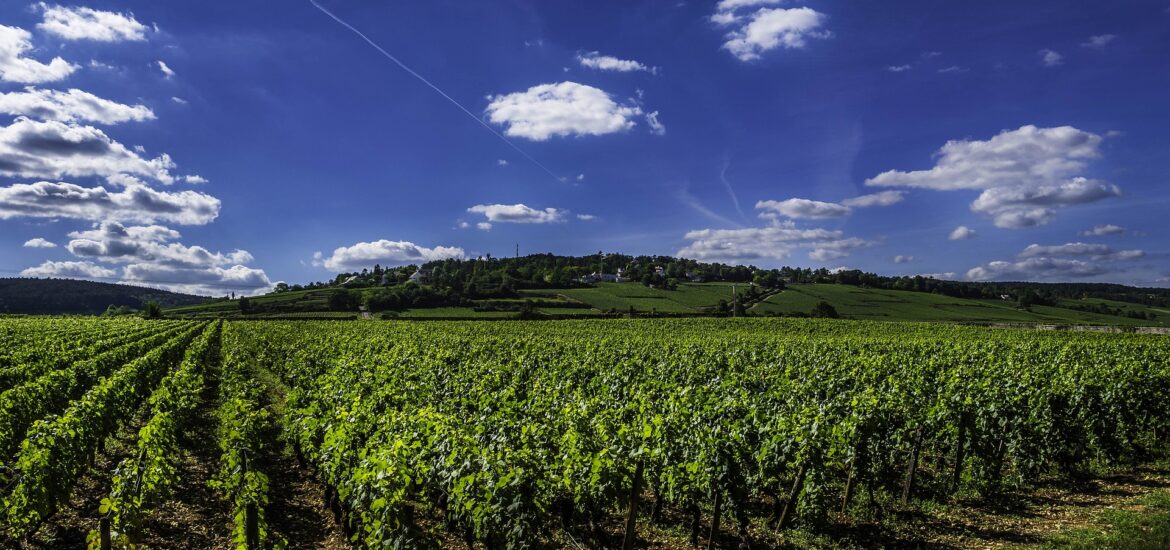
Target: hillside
(693,299)
(68,296)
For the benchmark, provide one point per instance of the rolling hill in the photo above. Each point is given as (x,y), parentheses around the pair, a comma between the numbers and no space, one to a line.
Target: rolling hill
(68,296)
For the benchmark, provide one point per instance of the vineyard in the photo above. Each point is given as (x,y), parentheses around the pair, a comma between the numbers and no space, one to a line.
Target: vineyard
(618,433)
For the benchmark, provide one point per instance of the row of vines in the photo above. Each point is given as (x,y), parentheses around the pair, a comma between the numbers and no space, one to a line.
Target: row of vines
(504,433)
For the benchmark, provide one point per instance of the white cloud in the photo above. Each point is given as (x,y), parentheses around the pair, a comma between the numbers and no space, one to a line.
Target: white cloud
(71,106)
(562,109)
(80,23)
(14,67)
(1018,207)
(732,5)
(768,29)
(1103,230)
(947,276)
(135,203)
(898,68)
(70,270)
(501,162)
(804,209)
(594,60)
(656,126)
(195,179)
(1050,58)
(1099,41)
(1056,262)
(881,198)
(39,243)
(960,233)
(179,100)
(1025,174)
(166,70)
(580,177)
(52,149)
(586,217)
(210,281)
(775,242)
(1087,250)
(112,242)
(518,213)
(952,69)
(903,259)
(484,226)
(387,253)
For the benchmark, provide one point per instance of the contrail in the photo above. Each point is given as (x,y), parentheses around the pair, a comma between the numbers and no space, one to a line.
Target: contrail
(730,191)
(435,88)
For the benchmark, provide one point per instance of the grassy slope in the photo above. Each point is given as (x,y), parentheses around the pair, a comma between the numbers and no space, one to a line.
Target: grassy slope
(894,305)
(853,302)
(689,298)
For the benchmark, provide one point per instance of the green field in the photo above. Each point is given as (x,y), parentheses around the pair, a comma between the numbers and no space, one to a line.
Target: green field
(700,298)
(688,298)
(895,305)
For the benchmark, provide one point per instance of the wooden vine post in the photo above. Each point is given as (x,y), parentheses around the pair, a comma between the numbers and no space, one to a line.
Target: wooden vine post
(104,542)
(251,527)
(793,495)
(913,468)
(632,512)
(715,518)
(960,448)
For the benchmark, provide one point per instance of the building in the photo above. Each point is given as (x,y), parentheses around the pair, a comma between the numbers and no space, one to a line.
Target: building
(422,277)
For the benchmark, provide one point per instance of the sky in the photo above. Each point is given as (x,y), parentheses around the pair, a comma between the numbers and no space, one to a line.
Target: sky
(215,147)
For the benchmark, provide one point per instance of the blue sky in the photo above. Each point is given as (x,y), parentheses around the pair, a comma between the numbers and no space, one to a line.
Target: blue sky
(214,147)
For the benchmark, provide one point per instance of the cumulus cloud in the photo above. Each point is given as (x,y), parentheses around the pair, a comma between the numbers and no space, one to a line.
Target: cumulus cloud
(562,109)
(768,29)
(484,226)
(210,281)
(152,257)
(166,69)
(1056,262)
(586,217)
(803,209)
(71,106)
(1099,41)
(39,243)
(1017,207)
(882,198)
(387,253)
(732,5)
(594,60)
(775,242)
(79,23)
(135,203)
(1050,58)
(900,259)
(1103,231)
(70,270)
(52,149)
(1025,174)
(962,232)
(501,162)
(112,242)
(518,213)
(15,42)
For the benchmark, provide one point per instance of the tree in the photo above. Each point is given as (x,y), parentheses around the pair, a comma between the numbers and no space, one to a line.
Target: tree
(152,311)
(344,300)
(824,310)
(281,287)
(245,304)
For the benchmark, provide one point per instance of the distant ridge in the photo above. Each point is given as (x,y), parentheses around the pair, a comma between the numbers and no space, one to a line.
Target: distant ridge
(70,296)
